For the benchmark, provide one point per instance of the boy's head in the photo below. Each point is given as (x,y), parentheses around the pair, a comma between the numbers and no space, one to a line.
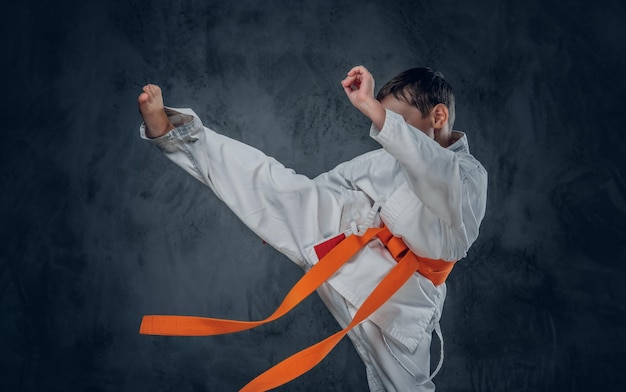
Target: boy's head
(422,88)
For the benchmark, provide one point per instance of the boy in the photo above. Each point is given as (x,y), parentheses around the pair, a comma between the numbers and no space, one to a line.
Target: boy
(423,186)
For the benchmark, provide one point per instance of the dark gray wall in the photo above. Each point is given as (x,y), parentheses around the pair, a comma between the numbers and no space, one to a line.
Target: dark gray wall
(98,229)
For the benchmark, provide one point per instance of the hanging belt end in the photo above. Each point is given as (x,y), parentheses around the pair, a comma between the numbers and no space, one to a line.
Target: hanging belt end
(146,327)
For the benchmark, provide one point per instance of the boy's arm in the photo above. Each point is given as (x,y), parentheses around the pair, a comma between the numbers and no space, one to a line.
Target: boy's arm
(434,174)
(359,87)
(445,183)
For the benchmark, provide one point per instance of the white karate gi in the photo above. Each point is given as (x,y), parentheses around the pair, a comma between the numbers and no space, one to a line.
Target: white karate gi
(433,197)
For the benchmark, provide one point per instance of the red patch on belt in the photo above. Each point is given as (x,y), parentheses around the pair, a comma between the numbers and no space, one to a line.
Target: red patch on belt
(323,248)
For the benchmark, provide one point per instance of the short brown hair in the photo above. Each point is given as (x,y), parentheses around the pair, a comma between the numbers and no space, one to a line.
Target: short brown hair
(423,88)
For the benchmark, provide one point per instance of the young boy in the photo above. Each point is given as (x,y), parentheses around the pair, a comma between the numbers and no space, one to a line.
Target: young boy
(423,185)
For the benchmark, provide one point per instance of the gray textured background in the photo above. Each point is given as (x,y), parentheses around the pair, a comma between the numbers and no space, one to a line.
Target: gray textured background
(98,229)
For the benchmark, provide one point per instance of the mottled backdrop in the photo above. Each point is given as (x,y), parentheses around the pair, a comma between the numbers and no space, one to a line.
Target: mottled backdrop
(98,229)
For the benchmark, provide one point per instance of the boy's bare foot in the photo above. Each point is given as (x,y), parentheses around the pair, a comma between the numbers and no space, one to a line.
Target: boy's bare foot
(152,111)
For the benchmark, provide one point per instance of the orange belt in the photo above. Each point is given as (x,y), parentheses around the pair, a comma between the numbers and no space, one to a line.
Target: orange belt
(341,251)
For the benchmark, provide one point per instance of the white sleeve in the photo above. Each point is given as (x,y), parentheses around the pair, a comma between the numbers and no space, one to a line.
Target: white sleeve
(287,210)
(453,186)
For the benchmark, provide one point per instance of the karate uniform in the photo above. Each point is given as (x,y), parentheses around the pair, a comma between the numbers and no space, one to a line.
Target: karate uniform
(432,197)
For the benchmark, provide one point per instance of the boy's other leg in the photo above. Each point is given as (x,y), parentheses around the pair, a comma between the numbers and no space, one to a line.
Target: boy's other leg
(153,112)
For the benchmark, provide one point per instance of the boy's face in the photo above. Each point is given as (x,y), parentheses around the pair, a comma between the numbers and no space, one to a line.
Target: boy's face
(411,114)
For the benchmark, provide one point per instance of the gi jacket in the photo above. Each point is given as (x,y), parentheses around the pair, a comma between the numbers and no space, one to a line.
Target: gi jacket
(432,197)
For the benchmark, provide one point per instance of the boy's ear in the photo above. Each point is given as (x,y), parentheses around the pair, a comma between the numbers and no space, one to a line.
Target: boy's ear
(440,115)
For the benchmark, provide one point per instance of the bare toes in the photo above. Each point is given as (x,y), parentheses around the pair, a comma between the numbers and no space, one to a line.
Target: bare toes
(156,90)
(143,98)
